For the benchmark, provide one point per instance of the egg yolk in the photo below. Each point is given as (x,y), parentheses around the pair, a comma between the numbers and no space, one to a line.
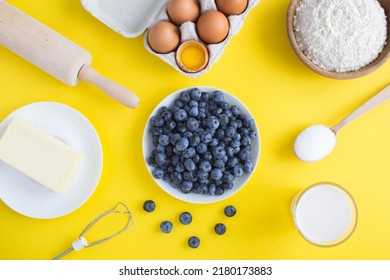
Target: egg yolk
(193,58)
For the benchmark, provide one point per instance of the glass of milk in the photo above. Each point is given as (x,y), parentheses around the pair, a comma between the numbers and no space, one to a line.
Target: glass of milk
(325,214)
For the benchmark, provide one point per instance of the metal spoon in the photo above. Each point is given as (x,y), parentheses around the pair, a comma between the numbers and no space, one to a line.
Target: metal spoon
(317,141)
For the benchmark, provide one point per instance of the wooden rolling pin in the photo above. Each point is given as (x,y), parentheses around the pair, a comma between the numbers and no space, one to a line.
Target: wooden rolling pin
(54,53)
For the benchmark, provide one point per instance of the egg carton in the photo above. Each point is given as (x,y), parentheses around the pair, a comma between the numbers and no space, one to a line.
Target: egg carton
(131,18)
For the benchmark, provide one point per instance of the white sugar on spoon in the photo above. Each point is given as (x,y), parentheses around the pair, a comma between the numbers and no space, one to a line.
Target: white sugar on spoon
(317,141)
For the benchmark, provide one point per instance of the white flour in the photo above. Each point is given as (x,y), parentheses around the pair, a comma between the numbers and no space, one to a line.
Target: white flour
(340,35)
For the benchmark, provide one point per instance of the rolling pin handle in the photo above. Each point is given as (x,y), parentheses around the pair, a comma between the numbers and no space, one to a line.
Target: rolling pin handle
(118,92)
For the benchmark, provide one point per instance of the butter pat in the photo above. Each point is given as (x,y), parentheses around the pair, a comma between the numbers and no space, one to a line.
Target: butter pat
(41,156)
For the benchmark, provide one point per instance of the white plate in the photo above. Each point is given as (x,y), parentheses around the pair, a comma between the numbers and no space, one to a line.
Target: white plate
(29,198)
(192,197)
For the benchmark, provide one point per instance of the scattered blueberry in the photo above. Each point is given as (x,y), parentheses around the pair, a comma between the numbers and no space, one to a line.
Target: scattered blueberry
(194,242)
(185,218)
(220,228)
(230,211)
(166,226)
(149,206)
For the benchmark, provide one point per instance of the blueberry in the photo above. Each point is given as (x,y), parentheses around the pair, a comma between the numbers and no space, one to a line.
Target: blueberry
(162,109)
(224,105)
(160,158)
(227,186)
(194,140)
(212,122)
(219,191)
(245,140)
(194,242)
(220,134)
(248,167)
(218,96)
(193,103)
(207,156)
(230,211)
(220,228)
(232,162)
(228,113)
(159,121)
(206,137)
(216,173)
(157,131)
(228,177)
(149,206)
(235,145)
(244,155)
(223,119)
(214,142)
(184,96)
(180,115)
(171,125)
(249,122)
(188,134)
(212,189)
(178,103)
(189,164)
(182,144)
(252,134)
(192,124)
(235,110)
(201,148)
(218,152)
(160,149)
(158,173)
(182,127)
(193,112)
(176,177)
(199,131)
(196,158)
(189,153)
(202,104)
(166,226)
(202,114)
(166,115)
(218,163)
(230,131)
(163,140)
(205,166)
(205,96)
(202,175)
(180,167)
(237,171)
(185,218)
(186,186)
(174,138)
(195,94)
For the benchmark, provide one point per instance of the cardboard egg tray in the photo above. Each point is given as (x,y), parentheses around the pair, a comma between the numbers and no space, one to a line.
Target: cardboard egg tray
(131,18)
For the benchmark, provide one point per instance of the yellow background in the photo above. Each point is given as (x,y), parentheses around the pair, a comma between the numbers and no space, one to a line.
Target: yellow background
(260,68)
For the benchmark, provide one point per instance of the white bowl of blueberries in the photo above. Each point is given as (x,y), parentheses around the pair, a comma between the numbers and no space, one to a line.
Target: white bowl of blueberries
(201,144)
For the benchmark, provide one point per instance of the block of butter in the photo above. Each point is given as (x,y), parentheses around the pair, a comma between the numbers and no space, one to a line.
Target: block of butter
(39,155)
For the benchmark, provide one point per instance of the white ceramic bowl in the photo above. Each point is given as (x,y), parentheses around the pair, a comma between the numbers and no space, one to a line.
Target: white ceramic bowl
(192,197)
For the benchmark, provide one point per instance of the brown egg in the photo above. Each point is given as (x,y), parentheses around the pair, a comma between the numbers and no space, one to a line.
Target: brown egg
(181,11)
(212,27)
(231,7)
(163,37)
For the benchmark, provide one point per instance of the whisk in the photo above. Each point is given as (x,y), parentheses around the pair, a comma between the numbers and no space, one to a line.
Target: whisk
(81,242)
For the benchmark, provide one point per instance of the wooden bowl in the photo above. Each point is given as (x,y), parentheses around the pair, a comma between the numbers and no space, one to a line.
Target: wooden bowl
(378,62)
